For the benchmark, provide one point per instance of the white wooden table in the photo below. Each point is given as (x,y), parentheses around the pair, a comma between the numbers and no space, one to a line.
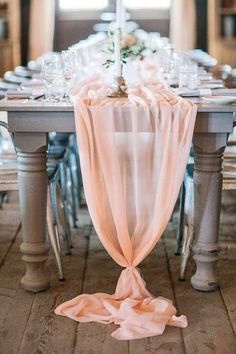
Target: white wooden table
(31,121)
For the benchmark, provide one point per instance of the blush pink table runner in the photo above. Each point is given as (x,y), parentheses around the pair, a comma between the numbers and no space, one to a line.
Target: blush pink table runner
(133,155)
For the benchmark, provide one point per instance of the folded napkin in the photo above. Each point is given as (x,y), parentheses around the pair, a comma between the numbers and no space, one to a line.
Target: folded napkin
(205,77)
(206,92)
(224,92)
(32,83)
(37,76)
(194,93)
(23,94)
(214,81)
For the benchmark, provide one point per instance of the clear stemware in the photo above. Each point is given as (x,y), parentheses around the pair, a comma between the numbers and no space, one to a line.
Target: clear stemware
(68,69)
(51,68)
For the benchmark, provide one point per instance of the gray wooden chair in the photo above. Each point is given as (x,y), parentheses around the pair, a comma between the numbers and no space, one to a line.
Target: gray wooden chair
(185,233)
(73,193)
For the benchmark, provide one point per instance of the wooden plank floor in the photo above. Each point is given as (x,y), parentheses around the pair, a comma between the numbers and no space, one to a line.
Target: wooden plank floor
(28,324)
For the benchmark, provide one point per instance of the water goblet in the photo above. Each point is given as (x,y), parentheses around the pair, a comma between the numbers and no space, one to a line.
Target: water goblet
(78,64)
(51,67)
(68,69)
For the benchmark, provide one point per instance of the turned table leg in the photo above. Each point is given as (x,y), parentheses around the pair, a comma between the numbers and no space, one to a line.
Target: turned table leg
(32,177)
(209,149)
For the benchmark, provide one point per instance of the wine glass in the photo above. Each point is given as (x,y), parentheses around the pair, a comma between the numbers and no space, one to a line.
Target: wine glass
(51,68)
(78,64)
(188,74)
(68,69)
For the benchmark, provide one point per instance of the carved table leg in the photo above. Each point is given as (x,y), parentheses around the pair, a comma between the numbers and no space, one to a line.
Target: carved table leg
(32,176)
(209,149)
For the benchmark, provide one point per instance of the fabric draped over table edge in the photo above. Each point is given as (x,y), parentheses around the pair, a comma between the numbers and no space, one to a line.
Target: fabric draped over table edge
(137,312)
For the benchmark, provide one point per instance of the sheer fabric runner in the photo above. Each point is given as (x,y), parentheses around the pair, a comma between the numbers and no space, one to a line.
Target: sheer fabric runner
(133,157)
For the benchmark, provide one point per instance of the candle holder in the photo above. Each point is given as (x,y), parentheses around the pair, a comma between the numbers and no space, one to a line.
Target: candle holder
(121,88)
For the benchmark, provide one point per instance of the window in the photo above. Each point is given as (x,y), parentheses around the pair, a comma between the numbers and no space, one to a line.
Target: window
(147,4)
(82,4)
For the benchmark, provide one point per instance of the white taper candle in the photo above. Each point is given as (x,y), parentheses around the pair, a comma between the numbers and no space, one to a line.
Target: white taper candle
(117,52)
(119,13)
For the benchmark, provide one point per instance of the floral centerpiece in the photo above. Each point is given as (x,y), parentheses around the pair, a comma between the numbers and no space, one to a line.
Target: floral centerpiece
(131,48)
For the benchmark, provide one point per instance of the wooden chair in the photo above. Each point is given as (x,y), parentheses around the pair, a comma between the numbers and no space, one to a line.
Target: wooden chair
(72,167)
(185,233)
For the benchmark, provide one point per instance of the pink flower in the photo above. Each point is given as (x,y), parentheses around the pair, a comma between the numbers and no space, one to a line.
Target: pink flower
(128,41)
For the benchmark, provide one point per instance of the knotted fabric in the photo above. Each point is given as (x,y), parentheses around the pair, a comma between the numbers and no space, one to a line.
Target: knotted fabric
(133,155)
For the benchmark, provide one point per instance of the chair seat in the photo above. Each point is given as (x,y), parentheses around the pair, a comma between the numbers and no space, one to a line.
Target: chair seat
(51,169)
(59,139)
(56,152)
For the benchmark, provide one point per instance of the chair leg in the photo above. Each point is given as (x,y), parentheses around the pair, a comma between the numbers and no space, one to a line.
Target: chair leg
(54,237)
(180,230)
(74,185)
(1,199)
(61,220)
(65,207)
(56,210)
(75,152)
(4,198)
(186,249)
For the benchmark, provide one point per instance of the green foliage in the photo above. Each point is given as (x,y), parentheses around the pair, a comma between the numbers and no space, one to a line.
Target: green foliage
(126,53)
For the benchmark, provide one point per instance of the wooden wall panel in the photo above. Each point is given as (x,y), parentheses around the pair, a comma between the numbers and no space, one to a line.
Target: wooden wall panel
(68,32)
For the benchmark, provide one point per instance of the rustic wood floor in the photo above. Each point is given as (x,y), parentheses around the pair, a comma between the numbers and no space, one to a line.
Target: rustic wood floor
(28,324)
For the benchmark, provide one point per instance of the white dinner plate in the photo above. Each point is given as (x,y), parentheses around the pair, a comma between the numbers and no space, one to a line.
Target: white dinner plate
(205,77)
(212,85)
(219,99)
